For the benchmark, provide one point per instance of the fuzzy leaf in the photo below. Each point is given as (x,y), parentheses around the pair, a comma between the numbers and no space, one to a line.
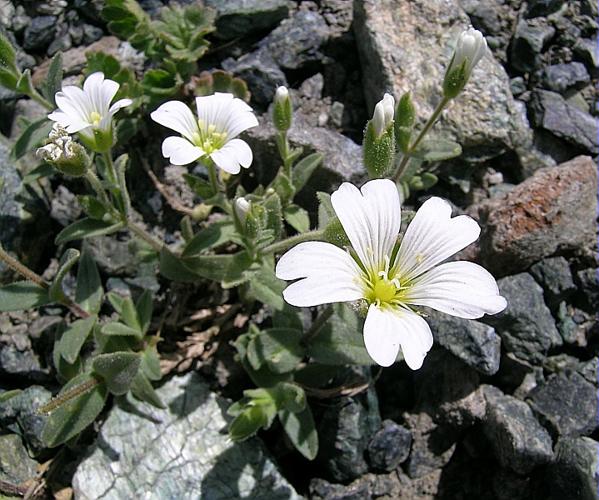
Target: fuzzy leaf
(304,170)
(214,235)
(86,228)
(297,218)
(142,389)
(118,369)
(74,337)
(53,81)
(22,295)
(301,431)
(89,292)
(67,261)
(32,137)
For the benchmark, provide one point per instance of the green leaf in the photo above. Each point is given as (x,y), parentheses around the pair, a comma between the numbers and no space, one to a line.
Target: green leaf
(67,261)
(280,348)
(144,309)
(267,288)
(340,341)
(150,363)
(121,330)
(8,59)
(118,369)
(160,85)
(142,389)
(129,314)
(297,218)
(127,20)
(43,170)
(24,83)
(174,268)
(325,209)
(230,270)
(304,170)
(301,431)
(214,235)
(6,395)
(247,423)
(288,317)
(22,295)
(289,396)
(32,137)
(75,415)
(89,292)
(74,337)
(86,228)
(53,81)
(199,186)
(437,149)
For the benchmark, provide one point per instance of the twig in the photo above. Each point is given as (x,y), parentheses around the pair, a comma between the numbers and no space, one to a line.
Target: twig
(171,200)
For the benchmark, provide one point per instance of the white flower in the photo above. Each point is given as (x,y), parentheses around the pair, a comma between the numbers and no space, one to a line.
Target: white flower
(392,282)
(281,94)
(383,114)
(87,110)
(221,118)
(470,48)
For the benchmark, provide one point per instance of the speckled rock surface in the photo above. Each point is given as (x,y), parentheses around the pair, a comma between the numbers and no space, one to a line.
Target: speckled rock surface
(552,212)
(178,453)
(414,59)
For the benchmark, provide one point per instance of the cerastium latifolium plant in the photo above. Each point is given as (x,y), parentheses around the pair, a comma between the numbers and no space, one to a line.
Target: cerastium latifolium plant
(261,239)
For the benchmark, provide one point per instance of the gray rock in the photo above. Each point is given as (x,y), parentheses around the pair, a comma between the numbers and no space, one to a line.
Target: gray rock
(62,42)
(518,440)
(114,256)
(567,403)
(16,466)
(572,324)
(10,207)
(554,275)
(344,432)
(366,487)
(389,447)
(475,343)
(448,390)
(342,158)
(538,8)
(526,326)
(237,18)
(574,472)
(19,415)
(552,212)
(406,46)
(517,85)
(260,72)
(563,77)
(91,34)
(18,359)
(65,208)
(584,51)
(39,33)
(550,111)
(530,39)
(180,452)
(587,281)
(432,445)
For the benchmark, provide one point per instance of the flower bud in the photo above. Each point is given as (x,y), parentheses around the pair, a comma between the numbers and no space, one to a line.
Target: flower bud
(470,48)
(242,207)
(379,139)
(201,212)
(282,113)
(61,152)
(405,116)
(383,114)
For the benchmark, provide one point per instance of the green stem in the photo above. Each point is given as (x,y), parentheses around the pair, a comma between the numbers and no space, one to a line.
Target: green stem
(123,186)
(37,97)
(23,270)
(317,324)
(431,121)
(144,235)
(112,177)
(96,184)
(213,176)
(282,245)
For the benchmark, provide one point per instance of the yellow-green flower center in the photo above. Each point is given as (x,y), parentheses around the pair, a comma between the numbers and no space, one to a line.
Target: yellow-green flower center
(208,138)
(95,118)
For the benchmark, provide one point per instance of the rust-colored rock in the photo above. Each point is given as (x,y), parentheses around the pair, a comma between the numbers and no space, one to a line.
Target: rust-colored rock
(552,212)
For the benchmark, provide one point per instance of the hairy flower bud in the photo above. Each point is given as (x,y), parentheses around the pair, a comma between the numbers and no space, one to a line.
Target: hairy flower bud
(379,139)
(63,153)
(282,113)
(242,207)
(470,48)
(383,114)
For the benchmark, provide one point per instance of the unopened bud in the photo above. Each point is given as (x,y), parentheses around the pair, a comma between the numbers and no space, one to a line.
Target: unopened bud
(470,48)
(282,113)
(379,139)
(382,117)
(201,211)
(242,207)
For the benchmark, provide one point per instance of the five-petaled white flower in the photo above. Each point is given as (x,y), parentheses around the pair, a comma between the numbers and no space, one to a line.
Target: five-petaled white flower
(88,110)
(221,118)
(392,280)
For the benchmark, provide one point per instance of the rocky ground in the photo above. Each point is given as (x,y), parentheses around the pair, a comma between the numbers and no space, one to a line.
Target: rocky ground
(503,408)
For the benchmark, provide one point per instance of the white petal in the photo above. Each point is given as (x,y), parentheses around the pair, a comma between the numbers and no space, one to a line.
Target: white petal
(121,103)
(178,117)
(233,155)
(432,237)
(461,289)
(329,275)
(74,102)
(386,329)
(227,113)
(180,151)
(243,153)
(371,218)
(71,123)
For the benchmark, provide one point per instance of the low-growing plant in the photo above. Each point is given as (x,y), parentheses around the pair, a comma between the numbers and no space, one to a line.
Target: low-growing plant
(352,261)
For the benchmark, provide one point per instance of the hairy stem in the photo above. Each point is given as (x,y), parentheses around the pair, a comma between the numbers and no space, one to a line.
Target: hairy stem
(37,97)
(282,245)
(92,178)
(21,268)
(144,235)
(110,170)
(317,325)
(69,395)
(431,121)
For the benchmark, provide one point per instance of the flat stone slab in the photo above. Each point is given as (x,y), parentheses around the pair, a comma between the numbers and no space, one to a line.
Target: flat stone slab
(182,452)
